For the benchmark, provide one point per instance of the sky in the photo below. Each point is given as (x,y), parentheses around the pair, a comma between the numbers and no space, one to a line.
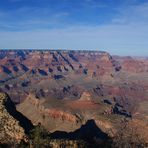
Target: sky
(116,26)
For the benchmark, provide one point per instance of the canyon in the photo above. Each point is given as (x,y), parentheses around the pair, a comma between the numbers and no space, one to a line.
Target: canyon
(64,89)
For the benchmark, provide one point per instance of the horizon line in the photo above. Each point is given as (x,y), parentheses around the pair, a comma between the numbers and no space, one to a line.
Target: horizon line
(69,49)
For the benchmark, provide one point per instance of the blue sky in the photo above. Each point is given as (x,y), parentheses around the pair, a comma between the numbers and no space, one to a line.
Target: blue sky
(117,26)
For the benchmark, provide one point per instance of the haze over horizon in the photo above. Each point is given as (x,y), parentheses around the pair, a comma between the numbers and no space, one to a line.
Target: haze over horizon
(119,28)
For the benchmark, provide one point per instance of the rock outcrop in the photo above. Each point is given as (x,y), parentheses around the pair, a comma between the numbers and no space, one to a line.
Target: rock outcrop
(86,96)
(51,118)
(10,129)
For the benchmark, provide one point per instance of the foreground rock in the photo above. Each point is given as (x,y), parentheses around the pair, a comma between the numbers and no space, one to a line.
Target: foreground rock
(10,129)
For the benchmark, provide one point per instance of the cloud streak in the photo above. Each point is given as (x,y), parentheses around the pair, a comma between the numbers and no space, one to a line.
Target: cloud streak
(132,14)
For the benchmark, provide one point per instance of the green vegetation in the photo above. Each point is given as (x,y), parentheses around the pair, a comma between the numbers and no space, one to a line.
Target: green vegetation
(37,138)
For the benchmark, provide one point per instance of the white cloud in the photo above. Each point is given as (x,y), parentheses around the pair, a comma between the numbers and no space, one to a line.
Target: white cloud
(132,14)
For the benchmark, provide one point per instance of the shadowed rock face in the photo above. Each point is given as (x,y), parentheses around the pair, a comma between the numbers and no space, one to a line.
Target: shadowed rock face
(23,121)
(86,132)
(10,129)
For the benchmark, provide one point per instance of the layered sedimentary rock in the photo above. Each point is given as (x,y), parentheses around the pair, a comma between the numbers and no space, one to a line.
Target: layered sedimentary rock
(52,118)
(63,89)
(45,62)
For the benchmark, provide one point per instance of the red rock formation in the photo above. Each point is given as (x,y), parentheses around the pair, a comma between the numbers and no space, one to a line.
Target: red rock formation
(99,62)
